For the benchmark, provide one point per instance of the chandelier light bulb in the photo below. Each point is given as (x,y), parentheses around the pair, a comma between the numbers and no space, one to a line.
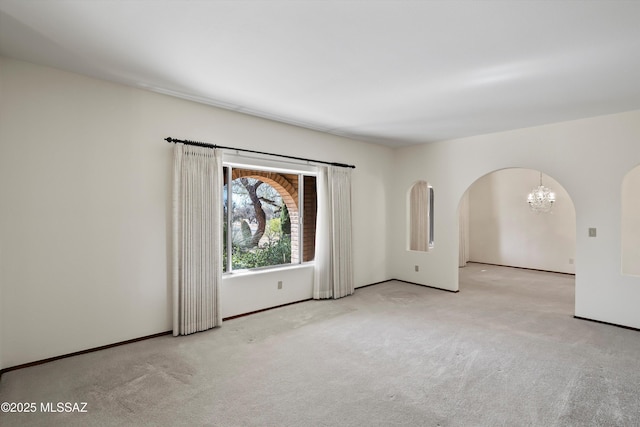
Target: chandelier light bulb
(541,198)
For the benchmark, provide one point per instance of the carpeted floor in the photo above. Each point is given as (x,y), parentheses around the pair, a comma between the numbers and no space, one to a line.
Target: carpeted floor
(504,351)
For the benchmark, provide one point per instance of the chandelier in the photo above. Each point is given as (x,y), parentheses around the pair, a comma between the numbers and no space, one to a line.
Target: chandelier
(541,198)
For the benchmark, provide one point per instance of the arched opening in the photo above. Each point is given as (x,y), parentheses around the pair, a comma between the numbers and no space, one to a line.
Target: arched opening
(498,228)
(286,186)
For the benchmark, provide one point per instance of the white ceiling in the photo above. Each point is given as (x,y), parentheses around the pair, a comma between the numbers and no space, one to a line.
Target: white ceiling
(391,72)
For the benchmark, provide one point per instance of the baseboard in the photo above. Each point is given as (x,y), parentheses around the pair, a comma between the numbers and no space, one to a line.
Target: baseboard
(406,281)
(373,284)
(264,309)
(608,323)
(426,286)
(104,347)
(78,353)
(521,268)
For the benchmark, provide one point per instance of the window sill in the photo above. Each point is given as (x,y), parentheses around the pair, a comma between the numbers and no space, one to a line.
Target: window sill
(263,270)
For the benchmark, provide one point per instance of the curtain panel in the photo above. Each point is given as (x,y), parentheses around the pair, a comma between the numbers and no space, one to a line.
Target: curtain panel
(197,239)
(334,251)
(419,217)
(463,230)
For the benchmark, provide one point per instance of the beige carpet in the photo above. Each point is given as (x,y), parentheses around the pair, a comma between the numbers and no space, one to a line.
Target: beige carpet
(504,351)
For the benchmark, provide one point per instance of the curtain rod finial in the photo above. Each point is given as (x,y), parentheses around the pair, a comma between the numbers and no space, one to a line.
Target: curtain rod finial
(169,139)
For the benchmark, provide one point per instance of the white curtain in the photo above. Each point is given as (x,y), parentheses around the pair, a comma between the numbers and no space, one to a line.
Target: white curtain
(419,217)
(197,230)
(463,245)
(334,253)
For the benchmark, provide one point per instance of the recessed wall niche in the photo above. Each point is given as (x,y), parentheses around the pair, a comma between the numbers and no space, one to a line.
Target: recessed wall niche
(630,227)
(420,208)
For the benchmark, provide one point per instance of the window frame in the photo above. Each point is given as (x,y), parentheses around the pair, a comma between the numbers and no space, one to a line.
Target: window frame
(431,222)
(265,166)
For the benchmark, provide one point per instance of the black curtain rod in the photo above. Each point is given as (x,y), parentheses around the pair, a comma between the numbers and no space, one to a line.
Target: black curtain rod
(204,144)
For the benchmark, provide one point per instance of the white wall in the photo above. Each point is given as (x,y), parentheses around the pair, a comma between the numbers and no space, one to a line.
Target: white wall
(245,293)
(2,309)
(631,223)
(85,184)
(589,157)
(503,230)
(2,209)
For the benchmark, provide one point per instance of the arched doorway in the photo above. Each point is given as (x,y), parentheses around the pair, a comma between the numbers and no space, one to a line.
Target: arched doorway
(497,226)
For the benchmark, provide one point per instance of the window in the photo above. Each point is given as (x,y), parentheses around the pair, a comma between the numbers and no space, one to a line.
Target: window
(430,216)
(269,218)
(421,225)
(630,227)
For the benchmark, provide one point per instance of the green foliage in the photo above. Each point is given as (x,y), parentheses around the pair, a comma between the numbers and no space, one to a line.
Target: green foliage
(273,228)
(224,245)
(246,233)
(273,253)
(285,221)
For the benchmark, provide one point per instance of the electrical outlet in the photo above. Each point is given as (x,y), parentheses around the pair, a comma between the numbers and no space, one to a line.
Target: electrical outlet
(592,232)
(417,268)
(279,284)
(571,260)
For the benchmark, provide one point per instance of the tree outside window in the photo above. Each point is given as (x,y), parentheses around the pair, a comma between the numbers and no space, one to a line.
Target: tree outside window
(263,218)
